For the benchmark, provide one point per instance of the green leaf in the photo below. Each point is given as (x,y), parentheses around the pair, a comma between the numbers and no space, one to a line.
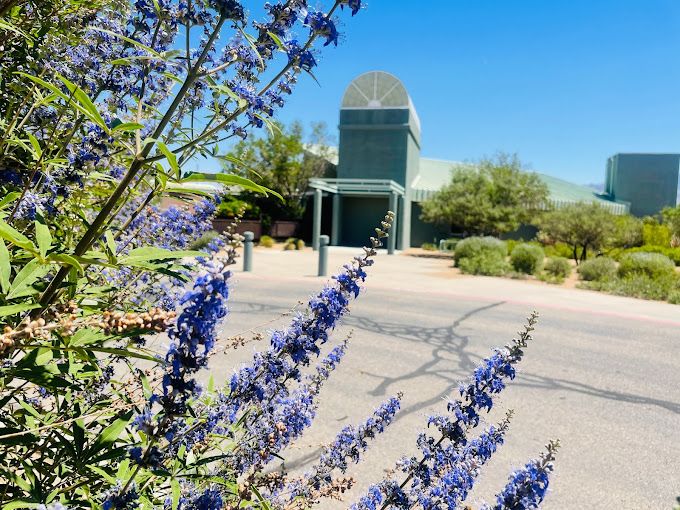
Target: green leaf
(276,40)
(27,276)
(15,237)
(18,308)
(231,180)
(43,237)
(11,28)
(110,434)
(128,127)
(67,260)
(263,502)
(20,504)
(85,336)
(5,267)
(175,493)
(80,96)
(171,157)
(36,146)
(103,474)
(9,198)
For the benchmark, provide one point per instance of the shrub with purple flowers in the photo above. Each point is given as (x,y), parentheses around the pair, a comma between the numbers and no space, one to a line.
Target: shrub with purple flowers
(110,318)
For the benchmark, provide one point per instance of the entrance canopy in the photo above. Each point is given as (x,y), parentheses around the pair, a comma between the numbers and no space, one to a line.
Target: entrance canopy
(354,188)
(358,186)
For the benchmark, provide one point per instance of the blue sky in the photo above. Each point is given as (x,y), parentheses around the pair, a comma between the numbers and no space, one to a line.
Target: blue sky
(563,83)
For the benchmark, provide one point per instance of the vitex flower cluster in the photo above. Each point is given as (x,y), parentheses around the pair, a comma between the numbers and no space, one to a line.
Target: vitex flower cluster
(450,462)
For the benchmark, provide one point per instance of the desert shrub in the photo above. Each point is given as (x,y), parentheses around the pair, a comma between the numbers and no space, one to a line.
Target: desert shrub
(671,253)
(231,207)
(558,250)
(300,244)
(656,235)
(653,265)
(638,285)
(597,269)
(429,246)
(557,268)
(527,258)
(487,263)
(204,240)
(674,297)
(266,241)
(475,246)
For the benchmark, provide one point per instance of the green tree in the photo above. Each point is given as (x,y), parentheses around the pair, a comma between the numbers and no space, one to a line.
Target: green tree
(491,198)
(671,218)
(626,232)
(283,161)
(584,227)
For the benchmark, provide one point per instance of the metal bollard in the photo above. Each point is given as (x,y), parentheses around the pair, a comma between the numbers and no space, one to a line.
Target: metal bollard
(248,251)
(323,255)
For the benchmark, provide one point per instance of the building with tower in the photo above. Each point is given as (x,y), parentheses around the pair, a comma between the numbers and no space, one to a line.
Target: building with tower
(378,166)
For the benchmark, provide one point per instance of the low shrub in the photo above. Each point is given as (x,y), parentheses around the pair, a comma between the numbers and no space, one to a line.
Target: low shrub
(429,246)
(487,263)
(656,235)
(653,265)
(674,297)
(204,240)
(266,241)
(471,247)
(639,285)
(597,269)
(557,268)
(671,253)
(527,258)
(300,244)
(558,250)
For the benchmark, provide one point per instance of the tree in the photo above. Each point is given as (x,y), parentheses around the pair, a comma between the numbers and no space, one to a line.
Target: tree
(281,161)
(583,226)
(626,232)
(671,218)
(494,197)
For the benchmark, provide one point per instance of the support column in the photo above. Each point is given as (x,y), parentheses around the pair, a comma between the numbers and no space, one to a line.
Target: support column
(405,219)
(316,227)
(392,239)
(335,225)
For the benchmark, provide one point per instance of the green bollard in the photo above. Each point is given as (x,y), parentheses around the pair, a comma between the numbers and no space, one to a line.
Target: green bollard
(248,251)
(323,255)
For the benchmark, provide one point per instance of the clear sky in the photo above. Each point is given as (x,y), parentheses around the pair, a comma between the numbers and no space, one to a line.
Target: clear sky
(564,83)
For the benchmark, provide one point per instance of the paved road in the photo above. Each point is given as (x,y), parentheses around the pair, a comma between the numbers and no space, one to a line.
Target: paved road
(603,373)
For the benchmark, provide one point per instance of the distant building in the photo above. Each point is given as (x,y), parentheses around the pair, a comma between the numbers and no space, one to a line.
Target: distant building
(648,182)
(378,166)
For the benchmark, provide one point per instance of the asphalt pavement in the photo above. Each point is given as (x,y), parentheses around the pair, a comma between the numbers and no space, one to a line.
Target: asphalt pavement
(602,374)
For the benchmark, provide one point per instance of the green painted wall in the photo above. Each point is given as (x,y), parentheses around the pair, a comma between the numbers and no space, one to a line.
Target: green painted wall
(377,144)
(422,232)
(648,181)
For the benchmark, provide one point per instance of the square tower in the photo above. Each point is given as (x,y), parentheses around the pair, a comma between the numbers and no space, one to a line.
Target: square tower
(649,182)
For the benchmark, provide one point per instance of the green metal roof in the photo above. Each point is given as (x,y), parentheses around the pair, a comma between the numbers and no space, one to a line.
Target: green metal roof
(436,173)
